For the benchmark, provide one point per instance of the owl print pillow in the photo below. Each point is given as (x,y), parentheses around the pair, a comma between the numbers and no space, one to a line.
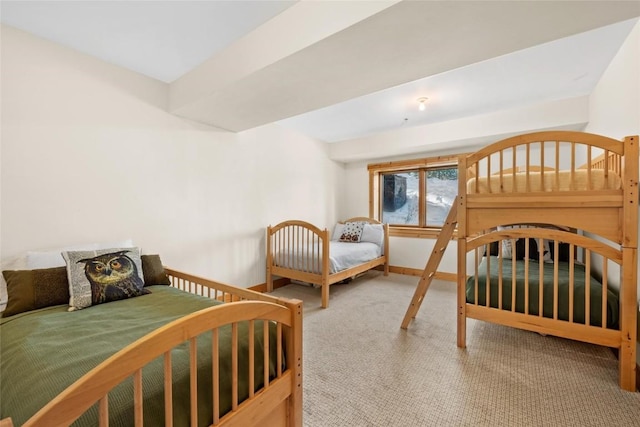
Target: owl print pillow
(104,275)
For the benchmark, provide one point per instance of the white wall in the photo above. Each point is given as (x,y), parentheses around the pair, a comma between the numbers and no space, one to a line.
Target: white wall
(89,153)
(614,105)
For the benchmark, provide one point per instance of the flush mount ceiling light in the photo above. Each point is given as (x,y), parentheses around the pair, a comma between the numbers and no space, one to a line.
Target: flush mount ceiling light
(421,103)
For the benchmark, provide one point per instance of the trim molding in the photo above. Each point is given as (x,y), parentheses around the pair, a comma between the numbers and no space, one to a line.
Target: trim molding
(637,377)
(277,283)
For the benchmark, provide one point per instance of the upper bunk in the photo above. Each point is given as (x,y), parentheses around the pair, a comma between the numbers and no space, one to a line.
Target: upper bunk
(574,179)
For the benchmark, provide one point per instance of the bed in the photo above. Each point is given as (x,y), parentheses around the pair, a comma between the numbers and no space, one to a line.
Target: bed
(191,352)
(548,238)
(301,251)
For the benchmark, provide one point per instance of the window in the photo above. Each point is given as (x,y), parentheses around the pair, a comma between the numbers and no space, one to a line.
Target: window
(414,197)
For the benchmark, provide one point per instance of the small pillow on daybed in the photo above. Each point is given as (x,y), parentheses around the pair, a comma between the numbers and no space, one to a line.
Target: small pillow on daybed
(373,233)
(153,271)
(33,289)
(105,275)
(352,231)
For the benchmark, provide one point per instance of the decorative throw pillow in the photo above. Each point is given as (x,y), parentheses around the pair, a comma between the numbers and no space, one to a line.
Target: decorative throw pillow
(153,271)
(33,289)
(105,275)
(352,231)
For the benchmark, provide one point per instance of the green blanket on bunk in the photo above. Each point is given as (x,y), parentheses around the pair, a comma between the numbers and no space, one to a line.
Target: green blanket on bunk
(595,291)
(46,350)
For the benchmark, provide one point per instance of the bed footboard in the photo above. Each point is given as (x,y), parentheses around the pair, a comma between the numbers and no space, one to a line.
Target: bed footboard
(275,400)
(300,251)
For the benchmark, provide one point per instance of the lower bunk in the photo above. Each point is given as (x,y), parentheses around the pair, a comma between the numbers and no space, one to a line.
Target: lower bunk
(562,289)
(300,251)
(196,352)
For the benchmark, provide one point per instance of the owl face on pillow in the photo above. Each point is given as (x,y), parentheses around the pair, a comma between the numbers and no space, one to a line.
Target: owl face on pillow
(112,276)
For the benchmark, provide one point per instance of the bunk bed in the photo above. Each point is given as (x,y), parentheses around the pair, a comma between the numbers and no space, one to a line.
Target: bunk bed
(301,251)
(194,363)
(548,239)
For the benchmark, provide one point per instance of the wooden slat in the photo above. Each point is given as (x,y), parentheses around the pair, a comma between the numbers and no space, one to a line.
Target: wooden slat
(193,380)
(103,411)
(168,390)
(137,399)
(234,366)
(215,370)
(266,353)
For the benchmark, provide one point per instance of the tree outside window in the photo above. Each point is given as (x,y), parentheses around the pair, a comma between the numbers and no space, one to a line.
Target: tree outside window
(414,197)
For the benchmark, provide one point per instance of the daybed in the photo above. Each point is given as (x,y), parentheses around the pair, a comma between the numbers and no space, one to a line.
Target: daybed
(301,251)
(569,266)
(191,353)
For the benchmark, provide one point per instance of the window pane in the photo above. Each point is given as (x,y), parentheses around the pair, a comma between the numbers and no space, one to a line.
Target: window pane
(442,189)
(399,197)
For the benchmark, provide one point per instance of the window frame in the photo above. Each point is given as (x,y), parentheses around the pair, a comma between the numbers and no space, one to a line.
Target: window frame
(377,170)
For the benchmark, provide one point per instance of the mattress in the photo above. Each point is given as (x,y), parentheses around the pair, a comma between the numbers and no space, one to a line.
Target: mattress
(564,182)
(595,291)
(44,351)
(342,256)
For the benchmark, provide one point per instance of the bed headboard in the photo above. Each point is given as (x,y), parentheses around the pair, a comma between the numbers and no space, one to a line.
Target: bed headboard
(585,181)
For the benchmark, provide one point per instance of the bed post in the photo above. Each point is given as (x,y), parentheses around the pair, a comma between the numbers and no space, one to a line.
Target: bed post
(629,274)
(386,249)
(324,236)
(269,277)
(293,343)
(462,251)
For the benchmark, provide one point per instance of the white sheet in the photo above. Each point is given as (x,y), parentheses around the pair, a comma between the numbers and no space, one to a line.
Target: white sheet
(342,255)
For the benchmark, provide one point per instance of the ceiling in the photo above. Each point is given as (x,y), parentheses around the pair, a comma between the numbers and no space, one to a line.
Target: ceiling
(342,70)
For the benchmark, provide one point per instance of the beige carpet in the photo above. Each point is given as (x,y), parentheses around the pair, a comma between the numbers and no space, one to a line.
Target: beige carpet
(362,369)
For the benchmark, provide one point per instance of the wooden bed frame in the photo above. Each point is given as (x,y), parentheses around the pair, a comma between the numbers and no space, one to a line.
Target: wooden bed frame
(312,244)
(607,217)
(279,403)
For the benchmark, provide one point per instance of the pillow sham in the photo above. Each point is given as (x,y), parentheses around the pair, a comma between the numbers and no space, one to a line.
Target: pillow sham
(33,289)
(373,233)
(518,252)
(53,258)
(101,276)
(153,271)
(547,248)
(352,231)
(337,231)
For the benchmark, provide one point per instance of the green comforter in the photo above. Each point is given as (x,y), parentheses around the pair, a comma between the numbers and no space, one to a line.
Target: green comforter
(44,351)
(595,288)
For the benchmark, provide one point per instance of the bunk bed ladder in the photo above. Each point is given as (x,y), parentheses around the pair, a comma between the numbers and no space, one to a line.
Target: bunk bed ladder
(432,264)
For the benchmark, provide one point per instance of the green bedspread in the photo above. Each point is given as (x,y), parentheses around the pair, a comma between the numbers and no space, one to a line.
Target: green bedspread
(44,351)
(595,291)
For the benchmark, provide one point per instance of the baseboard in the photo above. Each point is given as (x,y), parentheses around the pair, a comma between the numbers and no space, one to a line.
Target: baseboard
(450,277)
(277,283)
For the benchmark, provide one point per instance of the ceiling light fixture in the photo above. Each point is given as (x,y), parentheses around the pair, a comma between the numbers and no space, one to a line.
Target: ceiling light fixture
(421,104)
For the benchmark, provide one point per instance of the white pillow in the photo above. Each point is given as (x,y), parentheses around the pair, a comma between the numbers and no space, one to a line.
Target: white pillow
(337,232)
(53,258)
(373,233)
